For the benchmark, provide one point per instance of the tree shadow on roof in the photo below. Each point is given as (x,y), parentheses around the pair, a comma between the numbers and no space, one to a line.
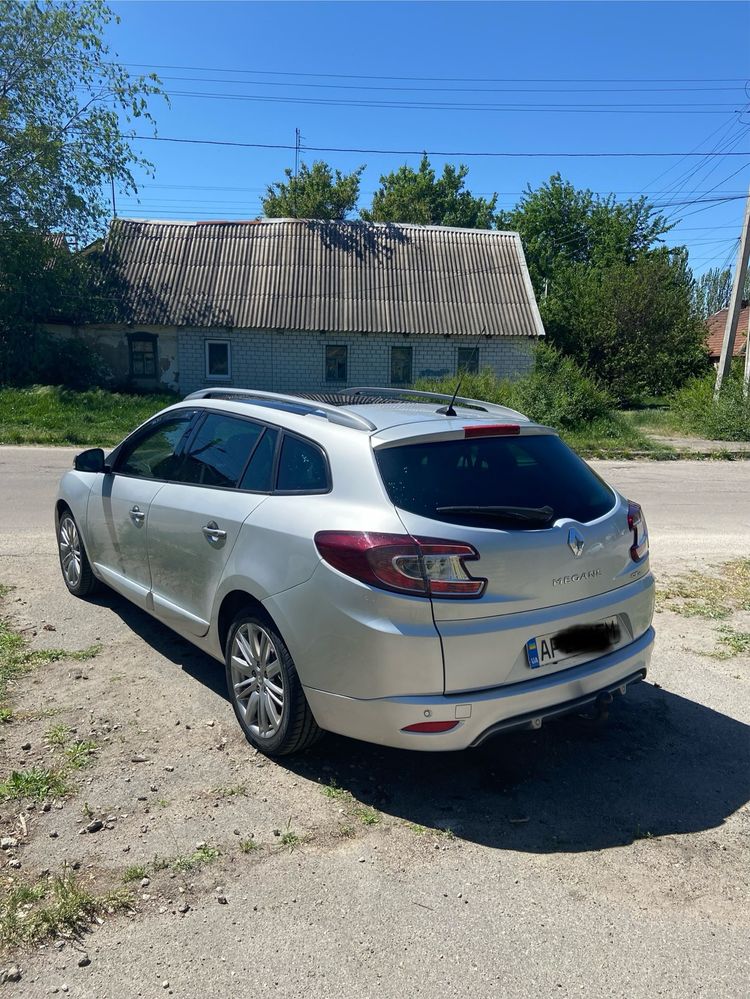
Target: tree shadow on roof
(362,239)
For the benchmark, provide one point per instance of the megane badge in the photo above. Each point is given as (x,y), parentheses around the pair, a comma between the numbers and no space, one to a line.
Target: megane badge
(576,542)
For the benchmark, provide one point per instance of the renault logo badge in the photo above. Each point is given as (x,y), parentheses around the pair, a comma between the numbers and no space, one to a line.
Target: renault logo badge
(576,542)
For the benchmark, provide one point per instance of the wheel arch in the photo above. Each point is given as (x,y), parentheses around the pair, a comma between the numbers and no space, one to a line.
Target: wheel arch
(232,603)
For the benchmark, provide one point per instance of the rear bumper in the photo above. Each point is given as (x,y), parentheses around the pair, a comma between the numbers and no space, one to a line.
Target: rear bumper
(480,714)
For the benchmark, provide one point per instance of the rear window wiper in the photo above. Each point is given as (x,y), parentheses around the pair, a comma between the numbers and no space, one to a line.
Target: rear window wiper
(532,514)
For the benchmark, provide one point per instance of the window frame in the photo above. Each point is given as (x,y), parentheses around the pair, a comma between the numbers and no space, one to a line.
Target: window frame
(409,381)
(336,346)
(474,353)
(228,344)
(142,337)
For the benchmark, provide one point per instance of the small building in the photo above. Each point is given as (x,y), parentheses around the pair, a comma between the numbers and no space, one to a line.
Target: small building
(716,324)
(290,305)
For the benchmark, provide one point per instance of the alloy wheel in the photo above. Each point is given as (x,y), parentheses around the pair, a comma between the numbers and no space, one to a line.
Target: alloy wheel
(70,551)
(257,680)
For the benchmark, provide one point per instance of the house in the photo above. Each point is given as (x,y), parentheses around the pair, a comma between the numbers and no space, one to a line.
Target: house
(290,305)
(715,338)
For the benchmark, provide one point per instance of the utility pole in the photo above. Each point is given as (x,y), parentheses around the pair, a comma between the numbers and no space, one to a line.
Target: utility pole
(735,304)
(297,143)
(114,206)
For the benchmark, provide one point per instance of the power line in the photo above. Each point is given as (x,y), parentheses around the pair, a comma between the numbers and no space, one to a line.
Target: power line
(433,79)
(421,152)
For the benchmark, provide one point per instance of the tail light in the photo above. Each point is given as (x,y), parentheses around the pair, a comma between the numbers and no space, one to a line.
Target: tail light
(637,524)
(423,567)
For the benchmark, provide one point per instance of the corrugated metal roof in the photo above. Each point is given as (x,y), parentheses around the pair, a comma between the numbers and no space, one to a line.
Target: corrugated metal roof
(291,274)
(715,339)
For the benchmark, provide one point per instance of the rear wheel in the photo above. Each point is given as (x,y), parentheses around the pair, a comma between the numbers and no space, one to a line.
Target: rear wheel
(264,688)
(74,563)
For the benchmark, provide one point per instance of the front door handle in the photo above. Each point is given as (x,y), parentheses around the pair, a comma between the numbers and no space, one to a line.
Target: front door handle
(213,532)
(137,515)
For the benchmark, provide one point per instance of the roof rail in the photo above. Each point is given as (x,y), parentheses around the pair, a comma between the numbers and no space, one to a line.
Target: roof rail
(289,404)
(396,393)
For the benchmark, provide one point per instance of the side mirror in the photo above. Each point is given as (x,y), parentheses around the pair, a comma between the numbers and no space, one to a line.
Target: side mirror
(90,461)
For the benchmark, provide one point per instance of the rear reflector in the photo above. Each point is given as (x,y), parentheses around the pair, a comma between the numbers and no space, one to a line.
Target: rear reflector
(433,726)
(492,430)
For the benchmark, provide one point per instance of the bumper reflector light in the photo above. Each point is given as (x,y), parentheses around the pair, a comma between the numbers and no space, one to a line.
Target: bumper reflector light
(431,726)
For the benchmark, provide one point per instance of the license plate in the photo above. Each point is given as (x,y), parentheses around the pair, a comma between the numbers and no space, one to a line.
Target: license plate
(548,650)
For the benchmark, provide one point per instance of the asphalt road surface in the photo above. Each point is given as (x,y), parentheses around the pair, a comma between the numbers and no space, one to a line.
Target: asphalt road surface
(578,861)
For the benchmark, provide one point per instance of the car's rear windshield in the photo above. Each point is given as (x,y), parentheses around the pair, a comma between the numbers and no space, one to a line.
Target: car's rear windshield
(536,477)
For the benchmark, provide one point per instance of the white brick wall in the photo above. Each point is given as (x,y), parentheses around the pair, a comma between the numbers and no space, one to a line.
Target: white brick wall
(295,362)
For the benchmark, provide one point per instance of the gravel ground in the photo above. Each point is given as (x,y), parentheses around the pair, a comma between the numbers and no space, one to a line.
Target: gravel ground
(581,860)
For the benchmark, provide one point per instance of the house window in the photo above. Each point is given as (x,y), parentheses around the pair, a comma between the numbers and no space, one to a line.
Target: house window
(336,363)
(143,355)
(218,359)
(468,360)
(401,365)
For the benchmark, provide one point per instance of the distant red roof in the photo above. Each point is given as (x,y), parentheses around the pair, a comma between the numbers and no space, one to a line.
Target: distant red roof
(716,324)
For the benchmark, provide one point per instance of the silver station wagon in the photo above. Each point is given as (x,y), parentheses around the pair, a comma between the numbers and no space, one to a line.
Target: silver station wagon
(398,567)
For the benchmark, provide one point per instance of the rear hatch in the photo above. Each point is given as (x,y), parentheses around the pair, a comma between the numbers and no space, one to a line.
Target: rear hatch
(547,529)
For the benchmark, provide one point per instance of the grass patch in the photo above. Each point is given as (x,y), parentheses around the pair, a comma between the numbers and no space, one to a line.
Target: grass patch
(80,753)
(203,854)
(732,643)
(367,816)
(698,594)
(37,784)
(56,907)
(230,792)
(57,736)
(249,845)
(135,873)
(16,658)
(48,414)
(336,793)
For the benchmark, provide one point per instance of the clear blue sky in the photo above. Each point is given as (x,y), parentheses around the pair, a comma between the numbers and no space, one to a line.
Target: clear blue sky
(269,61)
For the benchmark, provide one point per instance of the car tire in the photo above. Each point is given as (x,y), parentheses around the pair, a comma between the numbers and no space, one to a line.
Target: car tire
(264,688)
(76,569)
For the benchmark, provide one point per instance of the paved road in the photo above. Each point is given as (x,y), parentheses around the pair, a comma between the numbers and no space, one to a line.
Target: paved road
(608,863)
(694,509)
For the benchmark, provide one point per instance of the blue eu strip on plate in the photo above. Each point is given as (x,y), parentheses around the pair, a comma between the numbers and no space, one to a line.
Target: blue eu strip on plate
(532,653)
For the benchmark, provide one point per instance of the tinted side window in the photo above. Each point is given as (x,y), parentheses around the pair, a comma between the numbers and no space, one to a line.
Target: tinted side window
(257,477)
(302,467)
(220,451)
(154,455)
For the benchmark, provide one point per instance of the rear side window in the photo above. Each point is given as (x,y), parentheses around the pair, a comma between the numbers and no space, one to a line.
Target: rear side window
(220,451)
(529,472)
(302,467)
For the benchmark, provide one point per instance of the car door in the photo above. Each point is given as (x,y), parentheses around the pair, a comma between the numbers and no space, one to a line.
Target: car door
(119,502)
(194,523)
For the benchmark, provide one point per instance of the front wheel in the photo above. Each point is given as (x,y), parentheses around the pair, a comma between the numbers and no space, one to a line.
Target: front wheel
(264,688)
(76,568)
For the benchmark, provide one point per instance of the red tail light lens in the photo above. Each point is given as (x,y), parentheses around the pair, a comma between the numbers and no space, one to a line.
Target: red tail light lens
(492,430)
(637,524)
(424,567)
(433,726)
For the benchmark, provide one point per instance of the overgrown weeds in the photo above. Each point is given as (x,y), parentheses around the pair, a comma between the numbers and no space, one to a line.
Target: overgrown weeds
(715,597)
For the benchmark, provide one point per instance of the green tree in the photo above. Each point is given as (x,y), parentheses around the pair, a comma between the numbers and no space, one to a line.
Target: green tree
(317,192)
(65,112)
(714,288)
(419,197)
(633,324)
(562,225)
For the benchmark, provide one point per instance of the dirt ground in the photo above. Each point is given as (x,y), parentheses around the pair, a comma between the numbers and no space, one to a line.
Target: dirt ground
(580,860)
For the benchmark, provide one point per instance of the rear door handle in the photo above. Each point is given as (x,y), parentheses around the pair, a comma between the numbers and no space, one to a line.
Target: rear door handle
(213,532)
(137,515)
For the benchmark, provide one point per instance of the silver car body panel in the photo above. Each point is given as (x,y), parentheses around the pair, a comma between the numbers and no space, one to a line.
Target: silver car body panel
(372,661)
